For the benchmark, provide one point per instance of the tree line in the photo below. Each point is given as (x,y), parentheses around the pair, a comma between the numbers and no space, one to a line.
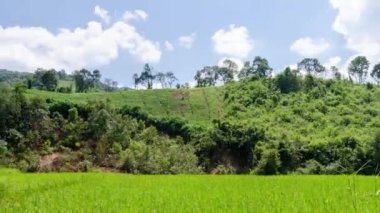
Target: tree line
(80,81)
(358,71)
(147,78)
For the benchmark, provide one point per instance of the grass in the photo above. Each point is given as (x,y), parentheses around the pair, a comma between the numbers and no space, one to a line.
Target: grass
(200,105)
(64,83)
(110,192)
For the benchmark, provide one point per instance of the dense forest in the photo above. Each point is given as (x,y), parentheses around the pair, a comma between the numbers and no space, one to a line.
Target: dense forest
(316,122)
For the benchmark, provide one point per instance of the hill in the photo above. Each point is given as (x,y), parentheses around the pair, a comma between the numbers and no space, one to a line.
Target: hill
(200,105)
(287,124)
(11,77)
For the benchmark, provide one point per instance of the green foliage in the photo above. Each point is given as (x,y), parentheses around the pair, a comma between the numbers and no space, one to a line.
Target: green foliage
(73,114)
(375,74)
(269,163)
(311,66)
(258,69)
(309,125)
(288,81)
(86,80)
(154,155)
(358,68)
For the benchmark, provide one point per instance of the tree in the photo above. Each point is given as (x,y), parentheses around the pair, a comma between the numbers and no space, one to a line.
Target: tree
(311,65)
(96,77)
(336,73)
(49,80)
(170,78)
(83,80)
(62,75)
(227,71)
(259,69)
(288,81)
(147,77)
(358,68)
(161,79)
(375,74)
(207,76)
(136,80)
(110,85)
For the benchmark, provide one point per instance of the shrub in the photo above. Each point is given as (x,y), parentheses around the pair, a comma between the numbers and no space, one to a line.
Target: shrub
(270,163)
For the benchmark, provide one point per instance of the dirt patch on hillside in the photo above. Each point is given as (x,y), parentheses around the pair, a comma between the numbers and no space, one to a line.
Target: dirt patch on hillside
(62,162)
(180,95)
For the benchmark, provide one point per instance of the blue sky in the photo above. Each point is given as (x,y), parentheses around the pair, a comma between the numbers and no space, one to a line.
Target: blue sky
(123,35)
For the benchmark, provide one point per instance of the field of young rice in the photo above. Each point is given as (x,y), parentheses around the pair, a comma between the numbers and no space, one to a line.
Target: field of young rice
(110,192)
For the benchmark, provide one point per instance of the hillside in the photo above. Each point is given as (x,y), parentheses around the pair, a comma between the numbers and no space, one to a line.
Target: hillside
(200,105)
(287,124)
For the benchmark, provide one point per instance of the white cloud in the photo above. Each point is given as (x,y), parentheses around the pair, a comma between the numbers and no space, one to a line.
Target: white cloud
(309,47)
(233,41)
(135,15)
(333,61)
(169,46)
(103,14)
(187,41)
(358,22)
(27,48)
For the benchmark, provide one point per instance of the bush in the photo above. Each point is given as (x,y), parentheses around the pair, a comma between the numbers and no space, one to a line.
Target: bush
(155,155)
(270,163)
(288,81)
(311,167)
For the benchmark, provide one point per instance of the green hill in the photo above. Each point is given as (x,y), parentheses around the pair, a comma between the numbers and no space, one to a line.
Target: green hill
(200,105)
(287,124)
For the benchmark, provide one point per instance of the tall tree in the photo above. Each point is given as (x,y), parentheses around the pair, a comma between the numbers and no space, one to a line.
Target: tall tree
(170,78)
(161,79)
(245,71)
(336,74)
(96,78)
(147,77)
(375,74)
(311,66)
(207,76)
(49,80)
(136,80)
(358,68)
(261,68)
(84,80)
(227,71)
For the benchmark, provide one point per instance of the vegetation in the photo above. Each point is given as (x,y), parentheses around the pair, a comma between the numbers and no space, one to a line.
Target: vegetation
(147,78)
(118,192)
(281,125)
(291,123)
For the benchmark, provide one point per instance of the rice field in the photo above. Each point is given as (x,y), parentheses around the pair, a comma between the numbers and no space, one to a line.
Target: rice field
(112,192)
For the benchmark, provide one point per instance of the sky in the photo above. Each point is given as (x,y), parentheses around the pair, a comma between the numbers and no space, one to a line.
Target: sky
(119,37)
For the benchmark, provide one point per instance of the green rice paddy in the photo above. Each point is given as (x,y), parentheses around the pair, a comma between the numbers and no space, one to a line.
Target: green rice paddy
(112,192)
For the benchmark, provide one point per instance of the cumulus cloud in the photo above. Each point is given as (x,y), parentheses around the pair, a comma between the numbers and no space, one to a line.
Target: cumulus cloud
(27,48)
(187,41)
(103,14)
(358,22)
(309,47)
(233,41)
(169,46)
